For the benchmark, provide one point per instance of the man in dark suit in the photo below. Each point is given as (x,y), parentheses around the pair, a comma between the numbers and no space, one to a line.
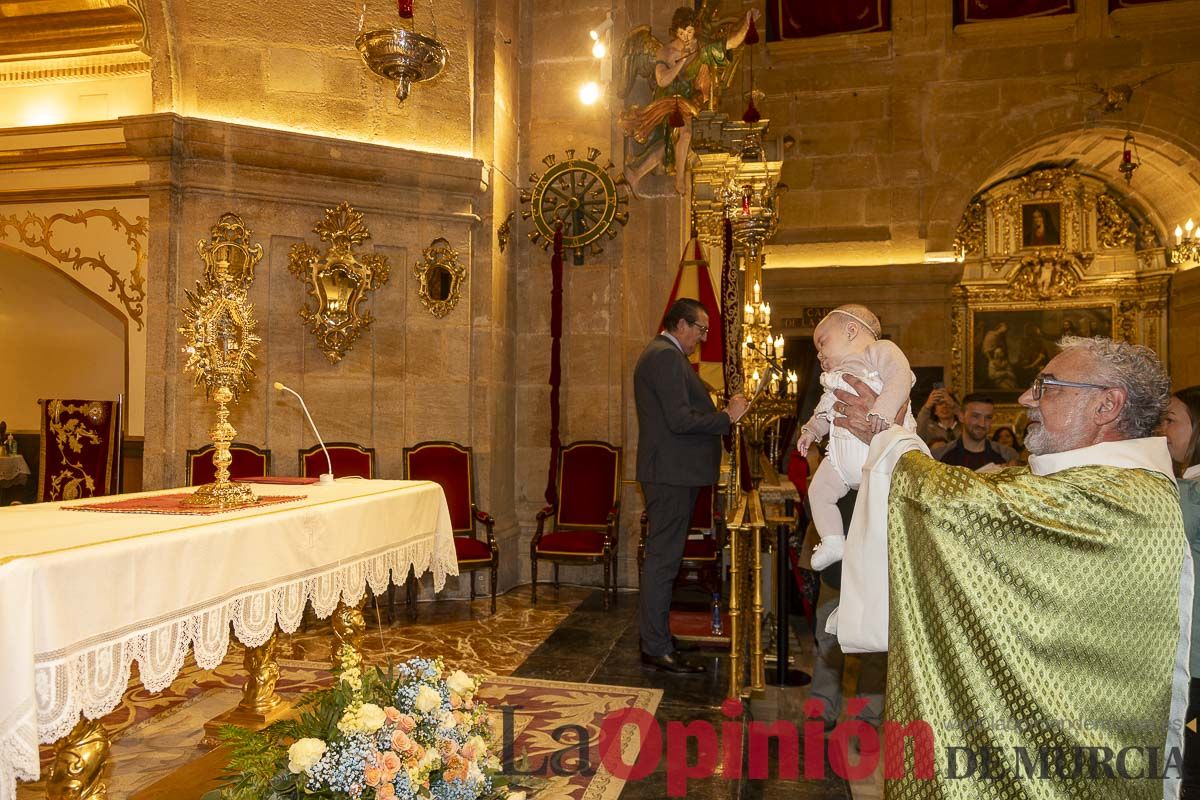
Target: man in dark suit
(679,451)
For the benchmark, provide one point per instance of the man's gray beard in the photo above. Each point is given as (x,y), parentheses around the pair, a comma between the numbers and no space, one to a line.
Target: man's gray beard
(1038,442)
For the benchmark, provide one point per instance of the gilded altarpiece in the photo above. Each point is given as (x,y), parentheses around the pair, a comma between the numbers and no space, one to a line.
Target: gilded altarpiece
(1049,254)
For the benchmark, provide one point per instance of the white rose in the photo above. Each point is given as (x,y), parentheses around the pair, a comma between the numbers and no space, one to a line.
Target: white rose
(371,718)
(427,699)
(460,683)
(303,754)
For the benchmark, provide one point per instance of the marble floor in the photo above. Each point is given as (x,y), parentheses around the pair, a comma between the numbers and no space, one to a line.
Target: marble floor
(568,637)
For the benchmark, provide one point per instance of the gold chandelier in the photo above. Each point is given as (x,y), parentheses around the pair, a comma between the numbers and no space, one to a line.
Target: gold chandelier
(1187,244)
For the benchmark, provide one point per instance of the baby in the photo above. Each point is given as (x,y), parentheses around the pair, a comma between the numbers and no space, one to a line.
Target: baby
(848,343)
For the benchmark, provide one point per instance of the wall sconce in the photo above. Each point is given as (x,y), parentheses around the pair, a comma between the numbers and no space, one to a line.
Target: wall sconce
(1187,243)
(591,91)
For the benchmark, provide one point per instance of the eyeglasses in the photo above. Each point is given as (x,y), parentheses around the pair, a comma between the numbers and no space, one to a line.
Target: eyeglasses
(702,328)
(1042,381)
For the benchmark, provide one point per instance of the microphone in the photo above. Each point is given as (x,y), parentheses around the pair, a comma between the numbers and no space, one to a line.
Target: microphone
(327,478)
(772,363)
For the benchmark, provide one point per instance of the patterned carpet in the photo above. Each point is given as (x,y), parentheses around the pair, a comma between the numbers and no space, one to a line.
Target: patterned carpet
(156,734)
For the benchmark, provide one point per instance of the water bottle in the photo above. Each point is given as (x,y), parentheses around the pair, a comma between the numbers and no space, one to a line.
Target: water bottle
(10,444)
(717,628)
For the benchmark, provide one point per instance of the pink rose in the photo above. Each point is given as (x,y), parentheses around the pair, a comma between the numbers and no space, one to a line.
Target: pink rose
(455,701)
(400,741)
(406,723)
(385,792)
(373,776)
(390,763)
(392,714)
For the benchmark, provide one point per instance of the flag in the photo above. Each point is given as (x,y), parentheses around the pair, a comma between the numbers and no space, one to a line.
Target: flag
(694,280)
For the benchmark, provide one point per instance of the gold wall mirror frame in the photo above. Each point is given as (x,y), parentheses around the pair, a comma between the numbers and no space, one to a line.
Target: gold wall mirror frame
(439,278)
(338,280)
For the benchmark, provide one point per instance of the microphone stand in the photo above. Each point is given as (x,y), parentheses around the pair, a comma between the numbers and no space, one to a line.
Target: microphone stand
(327,478)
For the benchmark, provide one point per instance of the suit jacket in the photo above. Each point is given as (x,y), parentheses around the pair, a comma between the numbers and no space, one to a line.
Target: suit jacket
(679,427)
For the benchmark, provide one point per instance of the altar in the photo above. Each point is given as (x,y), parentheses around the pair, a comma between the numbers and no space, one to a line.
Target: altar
(85,594)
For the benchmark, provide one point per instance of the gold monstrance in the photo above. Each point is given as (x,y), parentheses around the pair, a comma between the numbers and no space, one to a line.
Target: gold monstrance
(220,334)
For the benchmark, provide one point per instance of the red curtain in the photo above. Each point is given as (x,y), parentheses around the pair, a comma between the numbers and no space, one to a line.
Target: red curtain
(966,11)
(556,320)
(802,19)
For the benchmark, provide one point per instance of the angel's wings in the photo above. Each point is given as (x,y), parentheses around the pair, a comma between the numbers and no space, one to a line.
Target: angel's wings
(638,54)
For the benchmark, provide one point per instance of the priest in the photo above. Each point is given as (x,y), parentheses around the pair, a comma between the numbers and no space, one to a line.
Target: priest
(1039,617)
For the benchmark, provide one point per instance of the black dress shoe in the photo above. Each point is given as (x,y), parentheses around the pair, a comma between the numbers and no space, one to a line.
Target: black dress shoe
(685,647)
(672,662)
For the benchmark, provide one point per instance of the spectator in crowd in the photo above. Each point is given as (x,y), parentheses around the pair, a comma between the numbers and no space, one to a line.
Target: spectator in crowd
(1181,426)
(938,418)
(1006,436)
(973,449)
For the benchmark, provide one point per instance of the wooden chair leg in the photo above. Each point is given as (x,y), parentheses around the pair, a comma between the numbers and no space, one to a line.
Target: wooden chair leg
(533,578)
(494,570)
(472,584)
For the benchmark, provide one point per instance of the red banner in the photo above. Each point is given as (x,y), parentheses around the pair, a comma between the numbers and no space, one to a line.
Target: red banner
(804,19)
(967,11)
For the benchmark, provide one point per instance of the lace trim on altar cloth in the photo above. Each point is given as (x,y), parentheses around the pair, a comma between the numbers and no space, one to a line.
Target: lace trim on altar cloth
(18,751)
(91,677)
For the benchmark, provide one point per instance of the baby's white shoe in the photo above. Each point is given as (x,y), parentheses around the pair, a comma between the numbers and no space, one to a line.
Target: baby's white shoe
(829,551)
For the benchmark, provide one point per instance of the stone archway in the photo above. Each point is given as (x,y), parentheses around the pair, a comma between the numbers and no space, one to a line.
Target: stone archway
(1166,185)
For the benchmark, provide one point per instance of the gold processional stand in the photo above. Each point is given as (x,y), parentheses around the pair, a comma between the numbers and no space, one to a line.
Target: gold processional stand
(735,183)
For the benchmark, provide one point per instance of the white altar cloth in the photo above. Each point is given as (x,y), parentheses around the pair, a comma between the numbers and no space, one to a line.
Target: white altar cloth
(84,594)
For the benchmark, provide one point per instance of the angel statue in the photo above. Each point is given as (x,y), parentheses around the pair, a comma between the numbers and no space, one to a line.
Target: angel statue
(684,71)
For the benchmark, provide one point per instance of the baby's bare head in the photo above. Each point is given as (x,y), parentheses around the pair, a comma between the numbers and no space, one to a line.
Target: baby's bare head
(853,319)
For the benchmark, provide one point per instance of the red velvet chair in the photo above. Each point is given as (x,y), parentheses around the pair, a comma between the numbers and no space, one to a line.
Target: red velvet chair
(584,525)
(248,462)
(80,449)
(701,556)
(449,465)
(349,461)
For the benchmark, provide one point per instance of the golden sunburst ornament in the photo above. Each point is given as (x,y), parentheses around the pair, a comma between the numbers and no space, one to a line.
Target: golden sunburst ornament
(220,334)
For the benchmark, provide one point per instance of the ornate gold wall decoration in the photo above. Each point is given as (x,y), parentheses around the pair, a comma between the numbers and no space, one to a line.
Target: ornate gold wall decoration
(439,278)
(582,196)
(1044,276)
(968,238)
(1114,228)
(338,280)
(37,232)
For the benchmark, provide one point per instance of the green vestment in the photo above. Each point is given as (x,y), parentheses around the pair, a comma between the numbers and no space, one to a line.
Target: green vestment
(1033,618)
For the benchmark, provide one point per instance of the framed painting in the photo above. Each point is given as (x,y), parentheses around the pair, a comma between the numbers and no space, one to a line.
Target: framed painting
(1009,347)
(1041,224)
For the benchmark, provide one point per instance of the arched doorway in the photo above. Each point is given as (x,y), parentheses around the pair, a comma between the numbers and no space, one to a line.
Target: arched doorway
(57,339)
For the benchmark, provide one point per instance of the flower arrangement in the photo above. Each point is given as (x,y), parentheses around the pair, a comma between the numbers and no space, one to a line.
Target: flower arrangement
(413,732)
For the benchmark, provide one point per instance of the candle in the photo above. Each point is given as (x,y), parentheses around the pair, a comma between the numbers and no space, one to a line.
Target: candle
(774,383)
(770,348)
(1178,234)
(754,377)
(766,310)
(749,314)
(779,344)
(758,290)
(1187,226)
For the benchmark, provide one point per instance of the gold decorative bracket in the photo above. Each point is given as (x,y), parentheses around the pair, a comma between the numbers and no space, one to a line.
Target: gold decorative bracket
(338,280)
